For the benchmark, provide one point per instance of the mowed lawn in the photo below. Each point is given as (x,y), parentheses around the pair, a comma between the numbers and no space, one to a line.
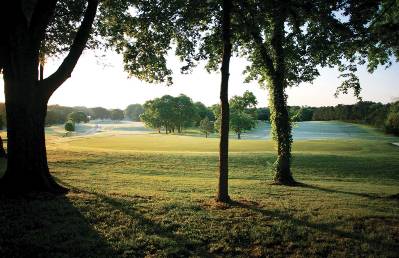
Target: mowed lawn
(152,195)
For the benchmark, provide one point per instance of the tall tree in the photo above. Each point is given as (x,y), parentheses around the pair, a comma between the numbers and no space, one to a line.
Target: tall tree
(223,192)
(25,94)
(286,42)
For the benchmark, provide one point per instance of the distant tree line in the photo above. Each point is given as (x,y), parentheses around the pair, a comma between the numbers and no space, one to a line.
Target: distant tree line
(384,116)
(57,114)
(176,113)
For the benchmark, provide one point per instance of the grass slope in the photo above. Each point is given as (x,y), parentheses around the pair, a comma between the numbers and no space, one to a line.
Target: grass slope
(152,195)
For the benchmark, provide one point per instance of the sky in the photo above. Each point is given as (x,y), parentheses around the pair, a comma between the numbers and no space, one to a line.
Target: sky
(99,80)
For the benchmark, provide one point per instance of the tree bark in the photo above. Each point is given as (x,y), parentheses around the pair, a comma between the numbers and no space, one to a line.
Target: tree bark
(223,195)
(239,136)
(279,117)
(280,121)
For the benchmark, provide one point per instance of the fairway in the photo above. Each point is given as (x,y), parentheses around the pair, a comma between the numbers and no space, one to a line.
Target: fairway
(152,195)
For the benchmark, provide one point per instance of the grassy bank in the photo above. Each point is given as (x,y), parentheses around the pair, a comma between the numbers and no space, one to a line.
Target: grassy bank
(127,199)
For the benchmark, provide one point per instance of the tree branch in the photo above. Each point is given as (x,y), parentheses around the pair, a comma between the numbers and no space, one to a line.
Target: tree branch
(50,84)
(256,36)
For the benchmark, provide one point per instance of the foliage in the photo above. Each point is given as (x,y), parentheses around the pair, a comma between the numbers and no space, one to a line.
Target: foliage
(70,126)
(392,120)
(171,113)
(203,112)
(78,117)
(57,114)
(243,113)
(299,114)
(117,114)
(241,122)
(263,114)
(206,126)
(134,111)
(100,113)
(366,112)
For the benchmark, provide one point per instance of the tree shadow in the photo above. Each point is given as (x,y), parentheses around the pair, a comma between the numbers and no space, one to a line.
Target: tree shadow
(329,228)
(44,225)
(171,245)
(328,190)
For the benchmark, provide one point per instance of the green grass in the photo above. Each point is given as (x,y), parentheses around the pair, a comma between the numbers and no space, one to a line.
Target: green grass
(152,195)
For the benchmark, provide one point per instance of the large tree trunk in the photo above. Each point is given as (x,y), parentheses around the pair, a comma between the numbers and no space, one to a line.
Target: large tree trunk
(223,195)
(27,168)
(279,117)
(26,96)
(281,126)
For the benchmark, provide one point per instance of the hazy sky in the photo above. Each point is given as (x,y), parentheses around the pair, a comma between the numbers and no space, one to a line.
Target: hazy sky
(102,82)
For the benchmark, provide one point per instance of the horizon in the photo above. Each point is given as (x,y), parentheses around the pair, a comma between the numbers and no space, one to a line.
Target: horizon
(106,84)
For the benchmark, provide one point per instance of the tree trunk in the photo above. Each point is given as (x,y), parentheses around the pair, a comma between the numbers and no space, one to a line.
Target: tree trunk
(279,116)
(27,168)
(41,72)
(281,125)
(26,96)
(223,195)
(238,136)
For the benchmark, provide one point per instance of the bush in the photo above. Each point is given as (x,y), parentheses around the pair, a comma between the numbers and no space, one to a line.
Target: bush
(70,126)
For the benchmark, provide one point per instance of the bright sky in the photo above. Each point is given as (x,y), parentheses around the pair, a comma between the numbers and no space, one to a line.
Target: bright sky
(102,82)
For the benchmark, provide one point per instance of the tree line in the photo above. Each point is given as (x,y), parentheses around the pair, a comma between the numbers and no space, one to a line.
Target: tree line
(57,114)
(384,116)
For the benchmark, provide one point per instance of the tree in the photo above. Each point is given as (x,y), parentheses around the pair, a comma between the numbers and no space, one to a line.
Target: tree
(206,126)
(172,113)
(286,42)
(151,116)
(223,194)
(184,112)
(202,111)
(195,27)
(134,111)
(26,94)
(78,117)
(243,113)
(70,126)
(100,113)
(241,122)
(117,114)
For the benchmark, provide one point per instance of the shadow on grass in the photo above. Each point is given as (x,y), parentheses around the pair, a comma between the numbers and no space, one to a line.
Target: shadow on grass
(328,190)
(167,242)
(43,225)
(329,228)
